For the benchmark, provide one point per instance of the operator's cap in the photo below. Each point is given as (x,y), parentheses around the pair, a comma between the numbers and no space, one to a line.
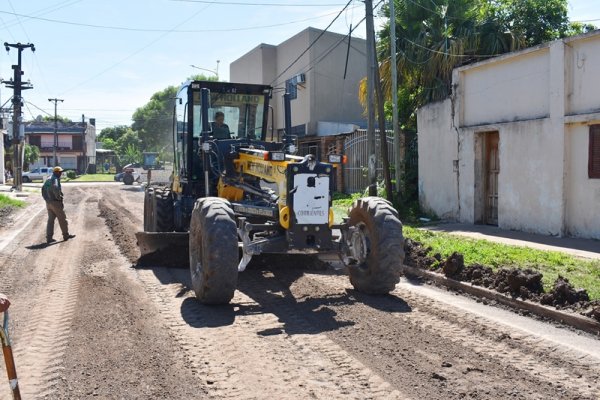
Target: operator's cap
(57,169)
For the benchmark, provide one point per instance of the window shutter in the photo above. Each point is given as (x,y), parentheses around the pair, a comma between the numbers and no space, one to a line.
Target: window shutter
(594,152)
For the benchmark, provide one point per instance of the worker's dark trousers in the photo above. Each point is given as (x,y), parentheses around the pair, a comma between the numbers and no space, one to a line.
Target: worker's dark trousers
(56,210)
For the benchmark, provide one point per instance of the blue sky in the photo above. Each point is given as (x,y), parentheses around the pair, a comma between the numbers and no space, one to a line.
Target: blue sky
(105,58)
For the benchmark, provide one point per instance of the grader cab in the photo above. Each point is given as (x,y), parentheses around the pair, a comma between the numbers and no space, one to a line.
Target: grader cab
(234,195)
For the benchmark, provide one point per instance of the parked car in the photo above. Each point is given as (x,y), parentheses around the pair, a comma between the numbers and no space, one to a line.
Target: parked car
(37,174)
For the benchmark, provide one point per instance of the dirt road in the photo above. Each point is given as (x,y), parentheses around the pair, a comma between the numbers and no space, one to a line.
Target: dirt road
(88,325)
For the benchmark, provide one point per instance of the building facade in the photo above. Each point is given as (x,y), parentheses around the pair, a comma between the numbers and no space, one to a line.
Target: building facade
(518,143)
(323,87)
(76,143)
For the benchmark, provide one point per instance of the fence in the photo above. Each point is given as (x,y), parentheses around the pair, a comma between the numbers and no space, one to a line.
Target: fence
(356,170)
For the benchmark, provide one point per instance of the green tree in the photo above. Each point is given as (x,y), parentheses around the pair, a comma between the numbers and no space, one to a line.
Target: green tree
(577,28)
(434,37)
(113,133)
(131,154)
(32,154)
(50,118)
(153,121)
(129,140)
(108,143)
(536,21)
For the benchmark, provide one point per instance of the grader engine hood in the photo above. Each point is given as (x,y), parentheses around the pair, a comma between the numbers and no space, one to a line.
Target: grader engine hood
(309,186)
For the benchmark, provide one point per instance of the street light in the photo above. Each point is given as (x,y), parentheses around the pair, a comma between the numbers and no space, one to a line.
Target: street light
(209,70)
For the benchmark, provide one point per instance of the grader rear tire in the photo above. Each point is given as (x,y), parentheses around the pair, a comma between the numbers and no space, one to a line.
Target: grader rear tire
(378,245)
(149,221)
(163,210)
(213,251)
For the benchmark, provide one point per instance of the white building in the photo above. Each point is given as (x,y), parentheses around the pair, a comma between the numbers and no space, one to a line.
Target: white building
(324,102)
(518,143)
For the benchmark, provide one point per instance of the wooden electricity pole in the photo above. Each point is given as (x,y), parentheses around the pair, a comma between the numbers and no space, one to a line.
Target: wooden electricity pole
(18,86)
(55,100)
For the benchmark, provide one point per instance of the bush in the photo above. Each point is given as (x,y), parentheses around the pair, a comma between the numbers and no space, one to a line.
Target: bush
(71,174)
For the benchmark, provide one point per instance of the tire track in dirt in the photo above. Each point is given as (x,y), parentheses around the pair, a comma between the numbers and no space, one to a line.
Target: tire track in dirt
(243,351)
(242,347)
(44,318)
(297,322)
(566,373)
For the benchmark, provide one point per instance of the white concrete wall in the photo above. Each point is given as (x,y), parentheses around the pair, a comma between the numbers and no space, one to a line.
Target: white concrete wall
(511,89)
(522,96)
(437,150)
(583,85)
(583,194)
(529,186)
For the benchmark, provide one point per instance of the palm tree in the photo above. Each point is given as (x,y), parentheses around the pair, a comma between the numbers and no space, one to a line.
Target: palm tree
(434,37)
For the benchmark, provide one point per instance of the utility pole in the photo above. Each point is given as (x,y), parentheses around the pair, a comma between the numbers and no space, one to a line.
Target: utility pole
(55,100)
(385,161)
(371,143)
(18,86)
(398,145)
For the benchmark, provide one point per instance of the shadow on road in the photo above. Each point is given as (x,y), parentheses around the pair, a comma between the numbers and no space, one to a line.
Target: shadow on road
(312,309)
(43,245)
(133,188)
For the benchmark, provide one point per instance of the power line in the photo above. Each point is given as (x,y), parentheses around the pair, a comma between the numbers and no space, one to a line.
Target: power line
(234,3)
(588,20)
(136,52)
(19,21)
(124,28)
(448,54)
(42,110)
(323,55)
(312,43)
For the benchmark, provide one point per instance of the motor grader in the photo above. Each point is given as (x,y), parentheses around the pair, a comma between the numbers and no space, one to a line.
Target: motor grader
(236,195)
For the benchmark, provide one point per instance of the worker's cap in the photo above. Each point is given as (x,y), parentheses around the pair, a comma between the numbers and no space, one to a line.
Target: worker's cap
(57,169)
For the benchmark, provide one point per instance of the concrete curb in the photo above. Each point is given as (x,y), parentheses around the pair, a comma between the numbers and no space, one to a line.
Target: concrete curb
(574,320)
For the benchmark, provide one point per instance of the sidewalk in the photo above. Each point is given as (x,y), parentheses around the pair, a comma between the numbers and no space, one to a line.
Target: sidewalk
(585,248)
(7,190)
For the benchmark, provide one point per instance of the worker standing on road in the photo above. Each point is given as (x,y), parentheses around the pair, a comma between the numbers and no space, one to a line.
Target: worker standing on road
(52,193)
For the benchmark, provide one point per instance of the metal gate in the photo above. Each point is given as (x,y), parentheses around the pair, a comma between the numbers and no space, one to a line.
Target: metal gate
(356,169)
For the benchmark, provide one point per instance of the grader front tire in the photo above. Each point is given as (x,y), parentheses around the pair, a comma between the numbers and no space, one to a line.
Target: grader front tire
(378,246)
(213,251)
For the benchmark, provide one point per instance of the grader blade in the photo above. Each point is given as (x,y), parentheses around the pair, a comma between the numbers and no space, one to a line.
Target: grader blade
(163,249)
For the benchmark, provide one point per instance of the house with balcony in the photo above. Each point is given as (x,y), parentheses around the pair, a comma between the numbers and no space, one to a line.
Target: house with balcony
(75,143)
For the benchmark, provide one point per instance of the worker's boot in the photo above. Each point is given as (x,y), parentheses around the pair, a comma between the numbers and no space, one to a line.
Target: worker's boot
(68,236)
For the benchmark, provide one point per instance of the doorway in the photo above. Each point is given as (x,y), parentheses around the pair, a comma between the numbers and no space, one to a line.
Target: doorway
(491,172)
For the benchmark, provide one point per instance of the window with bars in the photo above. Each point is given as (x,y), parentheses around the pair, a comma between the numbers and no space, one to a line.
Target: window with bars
(594,153)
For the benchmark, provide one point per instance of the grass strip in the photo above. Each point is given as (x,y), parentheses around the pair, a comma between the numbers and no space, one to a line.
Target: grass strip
(7,201)
(581,273)
(94,178)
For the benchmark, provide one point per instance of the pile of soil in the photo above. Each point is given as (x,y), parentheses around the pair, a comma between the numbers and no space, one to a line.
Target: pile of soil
(523,283)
